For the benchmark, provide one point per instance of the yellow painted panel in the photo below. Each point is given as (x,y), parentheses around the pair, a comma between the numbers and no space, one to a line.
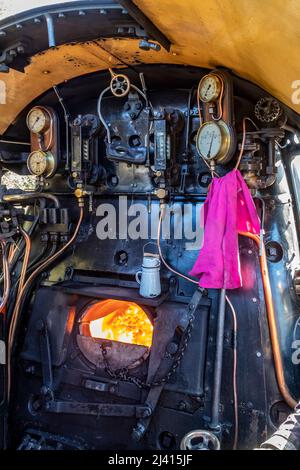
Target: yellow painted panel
(256,39)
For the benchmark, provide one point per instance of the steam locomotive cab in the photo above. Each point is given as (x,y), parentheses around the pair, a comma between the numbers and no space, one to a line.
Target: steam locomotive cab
(108,341)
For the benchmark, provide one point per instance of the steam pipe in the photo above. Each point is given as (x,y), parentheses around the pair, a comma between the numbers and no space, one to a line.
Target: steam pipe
(50,29)
(24,197)
(272,323)
(215,411)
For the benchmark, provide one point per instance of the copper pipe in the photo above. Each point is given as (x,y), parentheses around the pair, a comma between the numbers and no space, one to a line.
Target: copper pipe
(272,323)
(22,275)
(6,278)
(26,259)
(16,312)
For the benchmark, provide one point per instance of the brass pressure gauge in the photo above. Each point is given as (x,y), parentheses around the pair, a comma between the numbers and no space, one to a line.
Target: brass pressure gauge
(213,141)
(210,88)
(38,120)
(41,163)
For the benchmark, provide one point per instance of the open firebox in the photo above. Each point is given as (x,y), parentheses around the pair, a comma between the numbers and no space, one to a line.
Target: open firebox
(116,334)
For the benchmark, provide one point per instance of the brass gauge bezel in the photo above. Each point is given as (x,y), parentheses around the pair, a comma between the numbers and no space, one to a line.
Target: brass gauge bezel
(50,163)
(226,136)
(47,119)
(218,88)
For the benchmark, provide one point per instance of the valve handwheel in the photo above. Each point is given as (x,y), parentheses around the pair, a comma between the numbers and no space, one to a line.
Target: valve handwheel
(120,85)
(200,440)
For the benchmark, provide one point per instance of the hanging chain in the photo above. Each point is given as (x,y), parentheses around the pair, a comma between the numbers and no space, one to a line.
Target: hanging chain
(122,374)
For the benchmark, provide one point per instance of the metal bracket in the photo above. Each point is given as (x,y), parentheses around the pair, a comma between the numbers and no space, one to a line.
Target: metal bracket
(142,19)
(98,409)
(155,392)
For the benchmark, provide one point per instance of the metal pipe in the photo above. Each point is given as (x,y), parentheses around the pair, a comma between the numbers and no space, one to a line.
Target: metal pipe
(272,324)
(14,142)
(24,197)
(100,113)
(215,408)
(66,116)
(50,29)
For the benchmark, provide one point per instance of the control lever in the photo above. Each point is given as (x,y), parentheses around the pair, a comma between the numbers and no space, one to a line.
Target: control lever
(45,347)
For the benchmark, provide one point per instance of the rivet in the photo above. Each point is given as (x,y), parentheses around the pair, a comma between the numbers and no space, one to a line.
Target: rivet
(258,354)
(124,12)
(103,12)
(254,299)
(2,33)
(61,15)
(250,252)
(81,13)
(19,26)
(37,20)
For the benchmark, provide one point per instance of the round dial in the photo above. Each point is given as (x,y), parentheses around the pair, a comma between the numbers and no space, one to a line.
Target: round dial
(210,88)
(209,140)
(38,120)
(41,163)
(213,140)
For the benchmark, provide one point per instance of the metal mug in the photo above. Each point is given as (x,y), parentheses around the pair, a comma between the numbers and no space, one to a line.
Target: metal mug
(149,276)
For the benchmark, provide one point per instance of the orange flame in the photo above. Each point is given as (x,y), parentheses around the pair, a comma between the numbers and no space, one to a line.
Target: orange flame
(127,322)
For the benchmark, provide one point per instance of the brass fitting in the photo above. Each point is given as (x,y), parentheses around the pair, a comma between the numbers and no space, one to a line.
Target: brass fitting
(80,193)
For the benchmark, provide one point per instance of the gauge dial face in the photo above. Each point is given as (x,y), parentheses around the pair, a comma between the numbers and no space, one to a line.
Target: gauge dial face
(209,88)
(209,140)
(37,163)
(38,120)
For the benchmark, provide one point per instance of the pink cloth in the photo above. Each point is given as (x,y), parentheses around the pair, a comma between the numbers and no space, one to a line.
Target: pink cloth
(228,208)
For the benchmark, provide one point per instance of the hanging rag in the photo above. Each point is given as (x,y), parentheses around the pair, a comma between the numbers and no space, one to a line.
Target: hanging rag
(228,209)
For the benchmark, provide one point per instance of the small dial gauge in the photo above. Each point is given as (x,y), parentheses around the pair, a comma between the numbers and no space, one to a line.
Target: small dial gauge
(213,140)
(210,88)
(38,120)
(41,163)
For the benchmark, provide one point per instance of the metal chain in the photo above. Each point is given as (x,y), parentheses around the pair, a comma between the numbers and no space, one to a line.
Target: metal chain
(122,374)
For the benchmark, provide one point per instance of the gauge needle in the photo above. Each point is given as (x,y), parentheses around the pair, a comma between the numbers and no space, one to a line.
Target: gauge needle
(210,145)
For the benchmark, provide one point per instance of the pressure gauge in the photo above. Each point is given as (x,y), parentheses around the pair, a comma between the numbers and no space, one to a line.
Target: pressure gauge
(38,120)
(210,88)
(41,163)
(213,141)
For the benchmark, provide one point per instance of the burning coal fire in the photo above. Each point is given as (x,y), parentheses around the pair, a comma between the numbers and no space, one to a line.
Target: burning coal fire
(120,321)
